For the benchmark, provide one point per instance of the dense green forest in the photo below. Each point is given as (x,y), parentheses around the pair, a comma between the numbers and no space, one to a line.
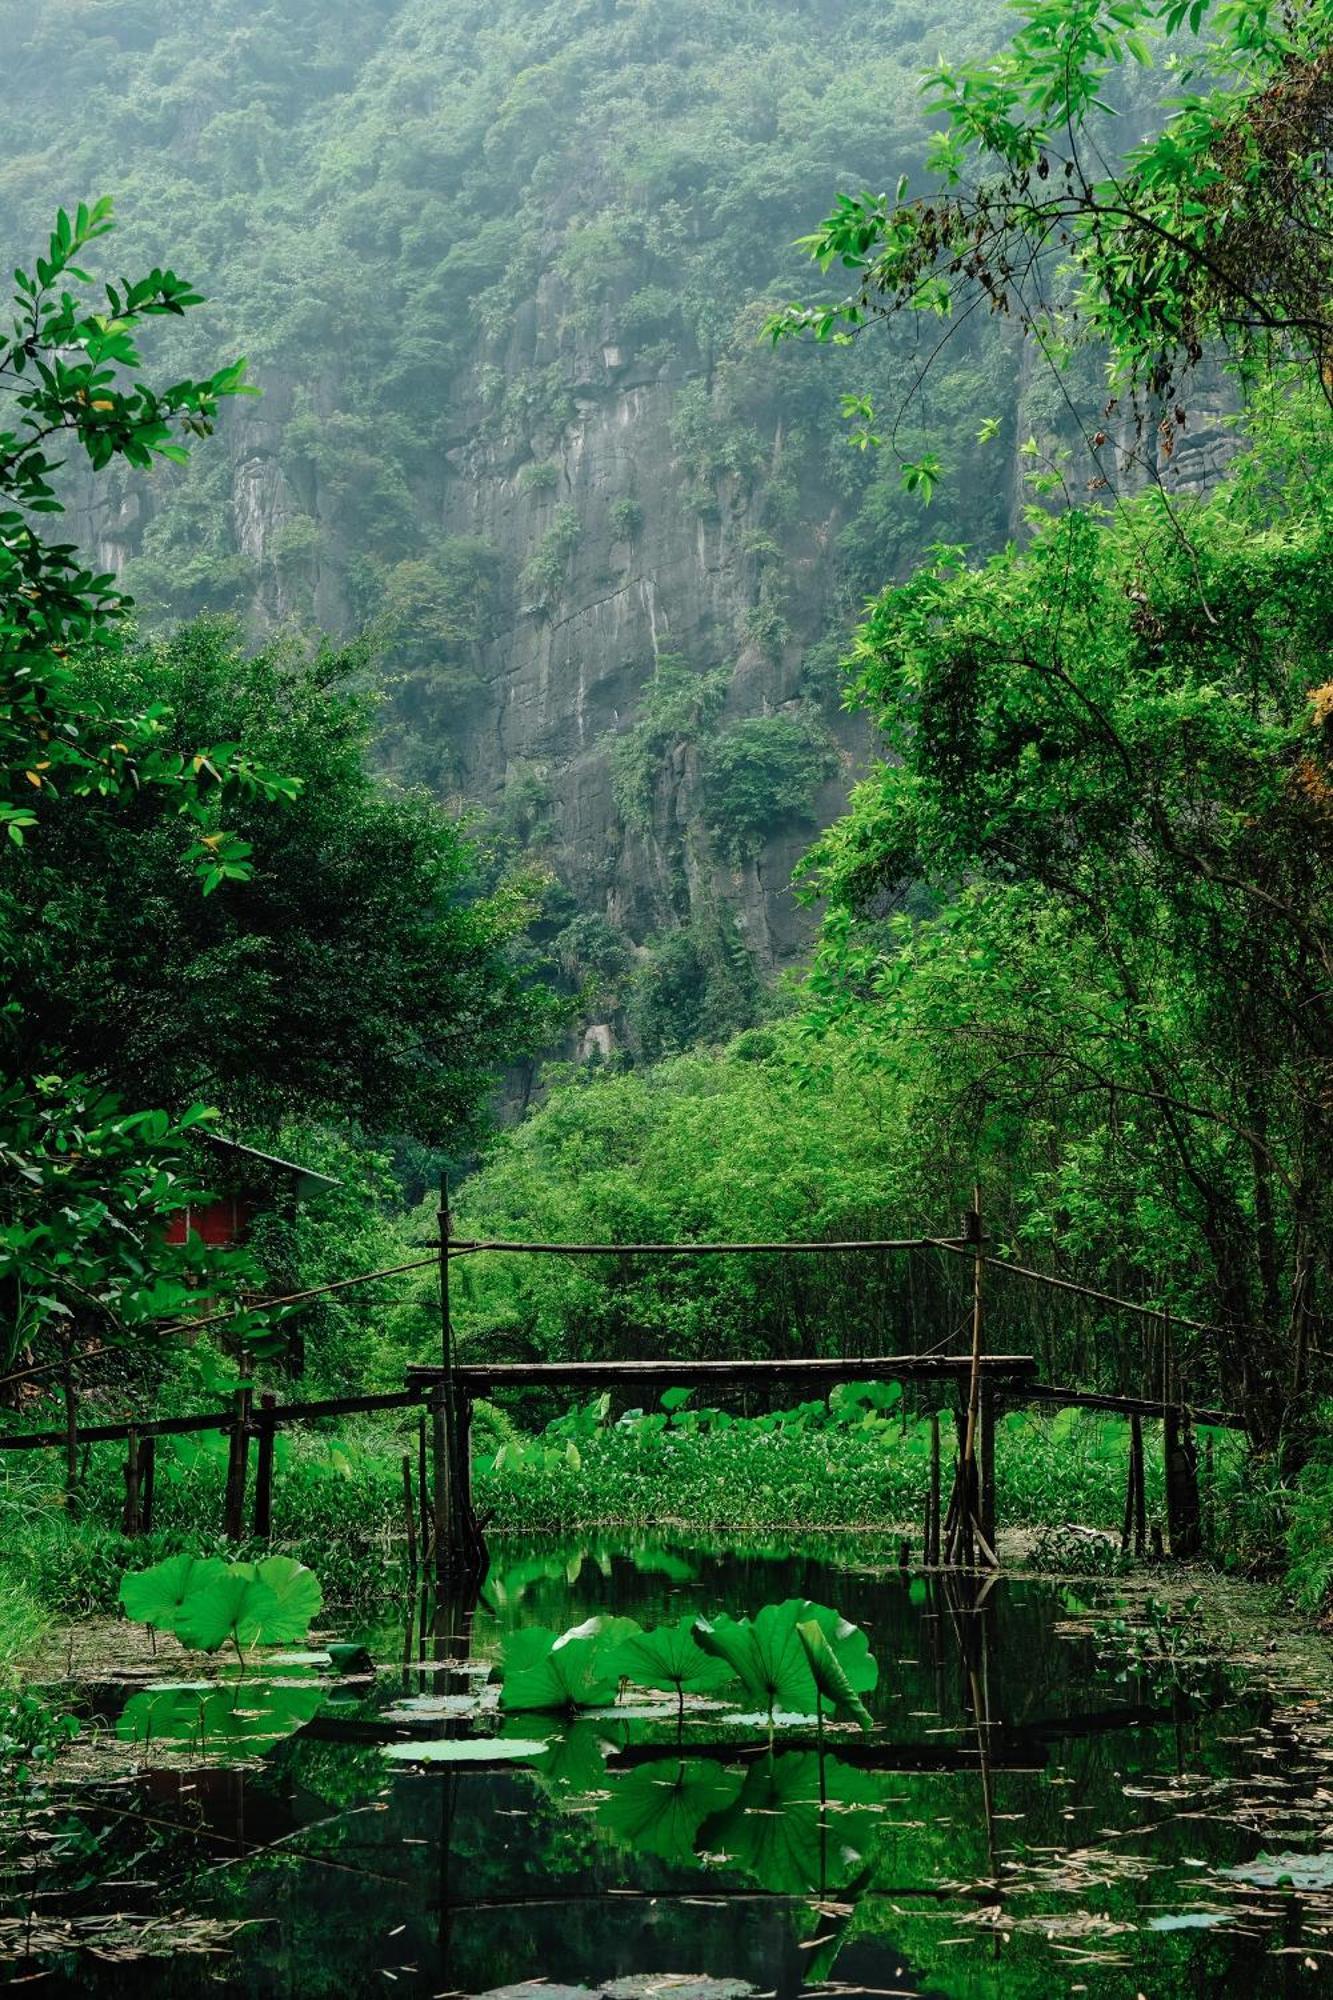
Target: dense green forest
(561,712)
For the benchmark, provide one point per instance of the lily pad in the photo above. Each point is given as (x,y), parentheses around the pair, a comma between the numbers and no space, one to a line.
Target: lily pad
(467,1750)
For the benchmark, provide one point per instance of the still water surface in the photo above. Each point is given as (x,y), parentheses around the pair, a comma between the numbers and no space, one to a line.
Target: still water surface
(1064,1792)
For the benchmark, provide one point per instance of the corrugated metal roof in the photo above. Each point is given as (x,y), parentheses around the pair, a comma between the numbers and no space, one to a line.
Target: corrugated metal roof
(307,1178)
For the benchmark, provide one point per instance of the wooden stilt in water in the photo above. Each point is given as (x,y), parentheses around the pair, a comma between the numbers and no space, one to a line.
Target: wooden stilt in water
(410,1517)
(1182,1485)
(267,1429)
(1140,1491)
(933,1502)
(129,1520)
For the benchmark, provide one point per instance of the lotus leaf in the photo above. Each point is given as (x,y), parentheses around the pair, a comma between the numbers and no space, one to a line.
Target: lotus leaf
(659,1808)
(767,1653)
(576,1669)
(829,1674)
(154,1596)
(206,1603)
(669,1656)
(467,1750)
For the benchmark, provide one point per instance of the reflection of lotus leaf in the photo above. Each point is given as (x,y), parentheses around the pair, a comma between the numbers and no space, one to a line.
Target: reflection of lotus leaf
(669,1656)
(1269,1871)
(767,1653)
(795,1828)
(663,1562)
(467,1750)
(659,1808)
(222,1715)
(575,1670)
(574,1761)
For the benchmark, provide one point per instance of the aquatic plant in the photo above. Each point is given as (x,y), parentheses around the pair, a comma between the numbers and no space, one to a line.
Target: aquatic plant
(544,1670)
(207,1602)
(768,1655)
(670,1657)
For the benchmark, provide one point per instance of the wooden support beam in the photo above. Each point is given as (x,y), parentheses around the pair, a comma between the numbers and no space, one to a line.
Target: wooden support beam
(1126,1406)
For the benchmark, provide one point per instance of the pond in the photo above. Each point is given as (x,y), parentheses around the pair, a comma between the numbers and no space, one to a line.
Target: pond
(1066,1789)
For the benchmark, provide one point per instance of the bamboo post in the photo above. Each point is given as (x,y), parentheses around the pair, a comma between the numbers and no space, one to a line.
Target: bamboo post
(71,1425)
(409,1514)
(442,1405)
(988,1464)
(968,1529)
(1131,1488)
(129,1520)
(1182,1485)
(1140,1494)
(147,1481)
(267,1431)
(238,1465)
(423,1492)
(441,1535)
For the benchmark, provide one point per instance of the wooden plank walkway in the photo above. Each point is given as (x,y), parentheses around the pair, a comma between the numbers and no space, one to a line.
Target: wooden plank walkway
(819,1372)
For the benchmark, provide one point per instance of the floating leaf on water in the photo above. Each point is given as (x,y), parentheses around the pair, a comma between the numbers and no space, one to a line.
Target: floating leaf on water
(1273,1871)
(467,1750)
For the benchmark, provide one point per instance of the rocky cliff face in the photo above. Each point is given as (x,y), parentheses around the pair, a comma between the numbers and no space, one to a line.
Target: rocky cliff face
(502,274)
(652,574)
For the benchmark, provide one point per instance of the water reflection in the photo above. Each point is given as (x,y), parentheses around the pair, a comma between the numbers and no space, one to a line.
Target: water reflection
(1043,1804)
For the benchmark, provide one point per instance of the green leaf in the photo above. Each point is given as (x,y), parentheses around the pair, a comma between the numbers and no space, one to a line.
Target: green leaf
(154,1596)
(829,1674)
(767,1653)
(669,1656)
(574,1670)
